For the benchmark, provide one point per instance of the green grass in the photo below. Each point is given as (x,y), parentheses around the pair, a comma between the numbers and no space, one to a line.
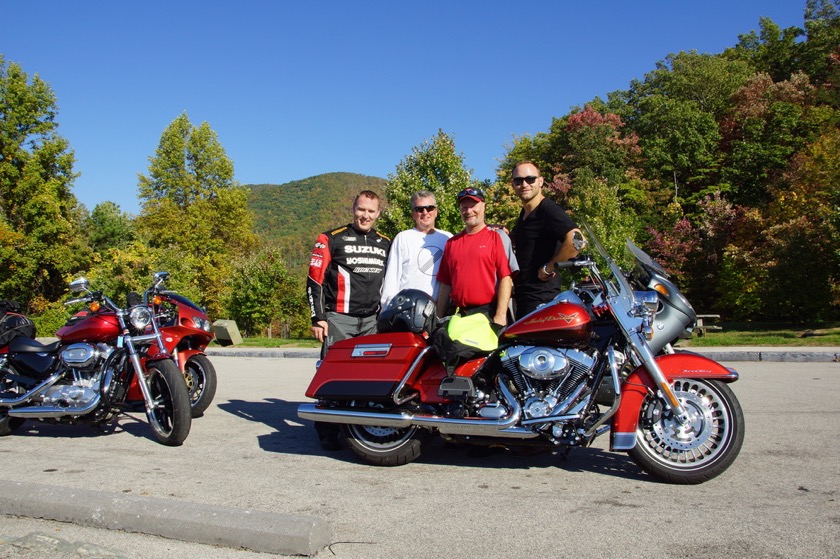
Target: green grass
(768,334)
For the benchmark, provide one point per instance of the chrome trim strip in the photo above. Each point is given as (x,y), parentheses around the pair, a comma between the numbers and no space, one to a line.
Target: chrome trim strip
(362,349)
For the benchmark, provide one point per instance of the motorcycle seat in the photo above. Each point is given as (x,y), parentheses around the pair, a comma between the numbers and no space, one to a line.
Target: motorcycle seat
(28,345)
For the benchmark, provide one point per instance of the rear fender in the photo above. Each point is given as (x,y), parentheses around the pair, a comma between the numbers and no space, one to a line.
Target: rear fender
(639,384)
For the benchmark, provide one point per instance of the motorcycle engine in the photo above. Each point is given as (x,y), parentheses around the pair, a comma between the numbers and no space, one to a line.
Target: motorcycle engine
(82,361)
(546,377)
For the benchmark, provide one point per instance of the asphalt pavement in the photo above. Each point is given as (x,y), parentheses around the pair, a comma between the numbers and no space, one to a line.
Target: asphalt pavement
(124,481)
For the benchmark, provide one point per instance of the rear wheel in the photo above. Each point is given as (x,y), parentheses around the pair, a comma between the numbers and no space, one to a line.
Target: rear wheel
(386,446)
(170,416)
(200,377)
(9,425)
(702,448)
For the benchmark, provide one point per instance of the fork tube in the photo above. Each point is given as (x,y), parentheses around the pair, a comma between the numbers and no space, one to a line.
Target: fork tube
(649,361)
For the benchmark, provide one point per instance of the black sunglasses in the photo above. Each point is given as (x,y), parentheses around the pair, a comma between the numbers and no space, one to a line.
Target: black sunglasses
(471,192)
(518,181)
(419,209)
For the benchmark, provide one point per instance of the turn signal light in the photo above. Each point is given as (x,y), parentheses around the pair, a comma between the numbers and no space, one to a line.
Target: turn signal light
(661,289)
(94,306)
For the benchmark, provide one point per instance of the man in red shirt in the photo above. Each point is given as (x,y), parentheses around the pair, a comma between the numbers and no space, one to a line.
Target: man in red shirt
(475,271)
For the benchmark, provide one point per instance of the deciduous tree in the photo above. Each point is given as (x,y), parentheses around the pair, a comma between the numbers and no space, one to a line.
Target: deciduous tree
(40,240)
(436,166)
(192,208)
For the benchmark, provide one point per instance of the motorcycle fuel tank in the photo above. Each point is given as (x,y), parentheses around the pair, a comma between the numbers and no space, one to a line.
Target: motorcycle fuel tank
(98,327)
(561,321)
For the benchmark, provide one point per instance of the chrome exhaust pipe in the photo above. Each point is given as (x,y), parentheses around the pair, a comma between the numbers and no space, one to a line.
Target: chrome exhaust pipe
(503,427)
(44,412)
(32,394)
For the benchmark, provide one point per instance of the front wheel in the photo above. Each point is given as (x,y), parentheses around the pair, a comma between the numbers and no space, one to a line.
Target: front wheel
(200,377)
(170,416)
(702,448)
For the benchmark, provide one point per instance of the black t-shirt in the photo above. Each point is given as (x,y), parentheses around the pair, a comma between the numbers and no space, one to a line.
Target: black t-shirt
(536,239)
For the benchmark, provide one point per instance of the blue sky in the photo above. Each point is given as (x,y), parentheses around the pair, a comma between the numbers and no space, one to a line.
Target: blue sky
(296,89)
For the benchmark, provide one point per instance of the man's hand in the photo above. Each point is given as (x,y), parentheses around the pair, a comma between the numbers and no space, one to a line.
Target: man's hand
(546,272)
(500,319)
(320,330)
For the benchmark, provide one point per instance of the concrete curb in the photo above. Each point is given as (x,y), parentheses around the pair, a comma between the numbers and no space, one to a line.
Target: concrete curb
(775,355)
(299,353)
(283,534)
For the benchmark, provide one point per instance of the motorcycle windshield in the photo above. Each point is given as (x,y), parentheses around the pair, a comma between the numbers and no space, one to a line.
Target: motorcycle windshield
(616,284)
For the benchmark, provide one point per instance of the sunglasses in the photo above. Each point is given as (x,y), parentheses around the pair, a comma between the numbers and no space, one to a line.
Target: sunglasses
(519,181)
(477,192)
(419,209)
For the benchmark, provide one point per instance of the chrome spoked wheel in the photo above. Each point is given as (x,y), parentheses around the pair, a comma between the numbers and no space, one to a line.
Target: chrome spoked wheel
(385,446)
(701,448)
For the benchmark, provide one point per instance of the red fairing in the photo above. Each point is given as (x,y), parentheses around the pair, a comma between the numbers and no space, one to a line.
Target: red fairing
(563,321)
(674,366)
(99,327)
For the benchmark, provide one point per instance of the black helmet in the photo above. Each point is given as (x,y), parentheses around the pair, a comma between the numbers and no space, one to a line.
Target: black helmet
(410,310)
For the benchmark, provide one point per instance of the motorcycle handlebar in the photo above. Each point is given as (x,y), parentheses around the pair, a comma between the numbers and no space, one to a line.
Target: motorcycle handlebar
(574,263)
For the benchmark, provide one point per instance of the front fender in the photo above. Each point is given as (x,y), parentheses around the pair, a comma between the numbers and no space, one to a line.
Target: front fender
(639,384)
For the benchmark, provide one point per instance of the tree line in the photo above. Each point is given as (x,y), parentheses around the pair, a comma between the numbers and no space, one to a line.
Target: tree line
(722,166)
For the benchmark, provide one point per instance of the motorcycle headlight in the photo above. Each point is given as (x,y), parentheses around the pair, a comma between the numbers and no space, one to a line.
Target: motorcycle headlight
(647,302)
(140,317)
(201,324)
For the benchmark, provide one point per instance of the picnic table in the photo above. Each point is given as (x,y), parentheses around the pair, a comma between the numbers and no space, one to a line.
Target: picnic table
(702,326)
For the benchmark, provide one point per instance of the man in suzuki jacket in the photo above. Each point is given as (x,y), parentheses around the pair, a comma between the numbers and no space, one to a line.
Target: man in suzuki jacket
(345,277)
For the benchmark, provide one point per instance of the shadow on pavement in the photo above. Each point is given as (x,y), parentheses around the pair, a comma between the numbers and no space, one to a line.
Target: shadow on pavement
(291,435)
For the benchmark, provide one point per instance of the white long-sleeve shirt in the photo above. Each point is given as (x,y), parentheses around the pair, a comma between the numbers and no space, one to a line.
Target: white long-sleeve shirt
(413,263)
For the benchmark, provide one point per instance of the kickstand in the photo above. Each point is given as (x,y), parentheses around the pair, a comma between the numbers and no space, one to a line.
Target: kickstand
(563,453)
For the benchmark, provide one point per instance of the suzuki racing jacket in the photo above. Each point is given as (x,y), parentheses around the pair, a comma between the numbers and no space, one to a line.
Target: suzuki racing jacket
(346,272)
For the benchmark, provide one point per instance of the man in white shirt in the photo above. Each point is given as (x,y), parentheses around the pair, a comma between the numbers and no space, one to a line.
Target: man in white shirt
(415,254)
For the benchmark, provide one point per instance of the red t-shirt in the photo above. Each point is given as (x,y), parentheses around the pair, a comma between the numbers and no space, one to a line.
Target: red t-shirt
(473,265)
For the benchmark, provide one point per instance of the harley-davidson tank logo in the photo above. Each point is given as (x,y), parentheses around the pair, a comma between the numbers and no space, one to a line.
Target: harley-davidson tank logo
(560,317)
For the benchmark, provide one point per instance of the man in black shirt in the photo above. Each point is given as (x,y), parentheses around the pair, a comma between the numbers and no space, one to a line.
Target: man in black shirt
(542,236)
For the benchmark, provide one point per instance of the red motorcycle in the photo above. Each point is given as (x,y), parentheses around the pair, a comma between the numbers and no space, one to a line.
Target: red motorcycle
(106,361)
(186,331)
(597,359)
